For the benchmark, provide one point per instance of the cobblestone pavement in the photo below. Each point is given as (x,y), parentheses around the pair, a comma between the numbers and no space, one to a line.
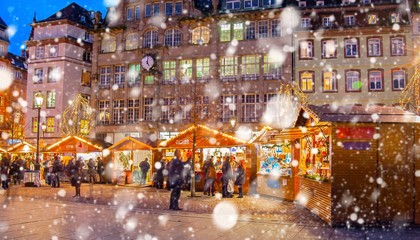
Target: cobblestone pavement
(113,212)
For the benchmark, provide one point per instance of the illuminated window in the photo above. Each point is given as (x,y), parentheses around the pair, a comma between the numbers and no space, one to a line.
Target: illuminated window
(53,74)
(118,111)
(86,78)
(397,46)
(306,49)
(133,110)
(53,50)
(149,79)
(84,126)
(398,79)
(202,68)
(200,35)
(133,74)
(329,48)
(186,70)
(132,41)
(372,19)
(238,31)
(173,38)
(169,72)
(38,77)
(375,80)
(374,47)
(34,125)
(353,83)
(50,125)
(329,81)
(168,110)
(307,80)
(109,44)
(272,67)
(104,113)
(228,68)
(148,109)
(51,99)
(395,18)
(225,32)
(250,67)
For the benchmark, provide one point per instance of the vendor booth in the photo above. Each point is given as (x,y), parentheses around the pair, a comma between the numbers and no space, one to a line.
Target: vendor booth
(26,152)
(349,165)
(126,157)
(209,142)
(78,147)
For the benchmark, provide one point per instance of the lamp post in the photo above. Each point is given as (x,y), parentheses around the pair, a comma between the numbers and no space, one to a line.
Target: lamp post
(39,99)
(43,127)
(232,121)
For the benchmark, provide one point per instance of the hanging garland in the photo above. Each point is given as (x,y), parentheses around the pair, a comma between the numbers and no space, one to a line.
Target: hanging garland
(77,117)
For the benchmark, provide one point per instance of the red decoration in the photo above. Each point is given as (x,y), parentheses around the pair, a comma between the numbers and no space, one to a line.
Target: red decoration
(355,132)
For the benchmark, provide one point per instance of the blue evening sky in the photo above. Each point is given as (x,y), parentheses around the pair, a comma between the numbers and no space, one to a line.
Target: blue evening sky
(18,14)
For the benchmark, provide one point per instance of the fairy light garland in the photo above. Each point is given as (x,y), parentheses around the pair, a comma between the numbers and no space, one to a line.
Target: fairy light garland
(77,117)
(411,93)
(11,149)
(76,137)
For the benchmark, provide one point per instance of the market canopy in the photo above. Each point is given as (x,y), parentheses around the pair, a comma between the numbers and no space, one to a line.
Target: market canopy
(74,144)
(130,143)
(22,147)
(205,138)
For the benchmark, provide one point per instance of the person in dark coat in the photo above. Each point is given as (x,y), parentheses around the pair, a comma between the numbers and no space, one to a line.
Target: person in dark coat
(166,175)
(240,177)
(175,180)
(56,169)
(187,172)
(4,171)
(91,170)
(144,168)
(76,169)
(14,171)
(227,175)
(100,168)
(159,174)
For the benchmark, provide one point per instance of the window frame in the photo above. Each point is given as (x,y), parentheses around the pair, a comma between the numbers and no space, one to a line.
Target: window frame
(223,68)
(391,39)
(313,81)
(254,108)
(151,39)
(130,14)
(322,48)
(200,32)
(307,20)
(312,49)
(382,79)
(233,4)
(173,38)
(334,82)
(346,83)
(380,46)
(357,43)
(404,70)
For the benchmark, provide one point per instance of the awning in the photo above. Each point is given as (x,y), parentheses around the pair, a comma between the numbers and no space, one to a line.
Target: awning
(74,144)
(205,138)
(22,147)
(130,143)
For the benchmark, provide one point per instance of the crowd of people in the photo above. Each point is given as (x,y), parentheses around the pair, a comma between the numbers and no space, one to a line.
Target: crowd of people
(178,172)
(13,171)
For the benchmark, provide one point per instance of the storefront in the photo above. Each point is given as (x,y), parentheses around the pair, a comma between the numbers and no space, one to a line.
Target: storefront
(209,142)
(126,157)
(25,151)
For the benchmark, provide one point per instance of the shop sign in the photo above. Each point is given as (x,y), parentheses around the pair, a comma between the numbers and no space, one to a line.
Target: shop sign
(69,146)
(170,154)
(183,142)
(355,132)
(356,146)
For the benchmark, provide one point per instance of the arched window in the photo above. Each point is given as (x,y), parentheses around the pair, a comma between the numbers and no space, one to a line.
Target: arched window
(200,35)
(109,44)
(132,41)
(150,39)
(173,38)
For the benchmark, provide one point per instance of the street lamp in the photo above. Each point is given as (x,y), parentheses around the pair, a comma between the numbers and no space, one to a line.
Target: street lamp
(232,121)
(43,127)
(39,99)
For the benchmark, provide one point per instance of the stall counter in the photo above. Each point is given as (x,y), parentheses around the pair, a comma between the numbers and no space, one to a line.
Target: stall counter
(276,186)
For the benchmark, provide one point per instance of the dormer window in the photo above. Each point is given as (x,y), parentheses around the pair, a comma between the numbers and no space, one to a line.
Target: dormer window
(395,18)
(302,3)
(250,3)
(83,19)
(305,22)
(350,20)
(233,4)
(320,3)
(269,2)
(372,19)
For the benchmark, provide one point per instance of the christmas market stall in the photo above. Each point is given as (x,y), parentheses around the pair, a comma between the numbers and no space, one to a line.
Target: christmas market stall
(208,142)
(79,147)
(24,151)
(126,157)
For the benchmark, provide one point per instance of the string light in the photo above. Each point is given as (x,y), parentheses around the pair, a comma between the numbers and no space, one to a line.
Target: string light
(77,117)
(411,92)
(128,138)
(75,137)
(15,147)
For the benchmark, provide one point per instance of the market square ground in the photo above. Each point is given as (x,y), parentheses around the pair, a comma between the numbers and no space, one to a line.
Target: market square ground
(115,212)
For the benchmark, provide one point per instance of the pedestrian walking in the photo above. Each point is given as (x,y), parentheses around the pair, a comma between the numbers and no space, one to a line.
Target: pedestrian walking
(76,175)
(4,171)
(175,180)
(144,168)
(159,174)
(56,169)
(210,174)
(240,177)
(91,170)
(100,168)
(227,178)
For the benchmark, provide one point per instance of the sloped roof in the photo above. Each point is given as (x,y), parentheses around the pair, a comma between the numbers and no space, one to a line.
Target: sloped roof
(74,144)
(130,143)
(17,61)
(72,12)
(21,147)
(2,23)
(205,138)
